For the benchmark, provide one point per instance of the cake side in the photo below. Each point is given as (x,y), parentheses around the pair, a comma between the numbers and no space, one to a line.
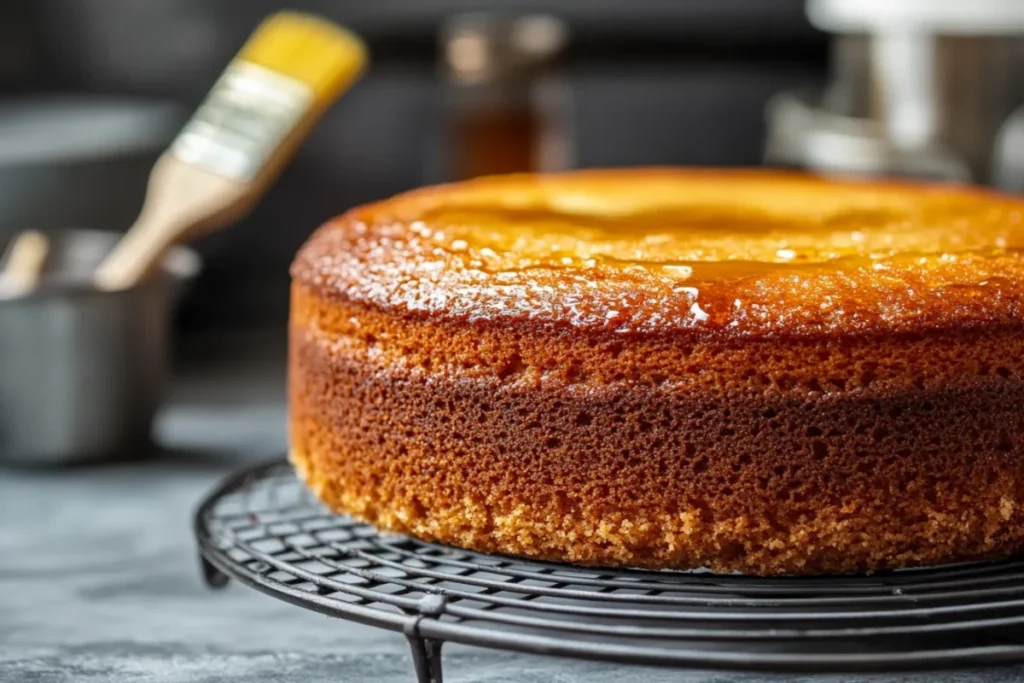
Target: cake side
(913,459)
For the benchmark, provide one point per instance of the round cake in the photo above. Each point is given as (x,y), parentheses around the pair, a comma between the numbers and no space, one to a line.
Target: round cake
(742,370)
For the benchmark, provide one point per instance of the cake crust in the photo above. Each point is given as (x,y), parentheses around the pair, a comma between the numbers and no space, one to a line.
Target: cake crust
(714,252)
(782,375)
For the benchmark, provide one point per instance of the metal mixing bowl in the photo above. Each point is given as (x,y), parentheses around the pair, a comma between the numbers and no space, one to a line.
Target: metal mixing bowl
(82,371)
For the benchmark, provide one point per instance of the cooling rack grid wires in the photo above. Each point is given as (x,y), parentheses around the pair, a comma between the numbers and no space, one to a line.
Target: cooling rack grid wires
(263,528)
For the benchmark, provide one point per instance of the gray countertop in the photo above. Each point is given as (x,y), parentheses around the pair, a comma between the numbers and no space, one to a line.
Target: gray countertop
(99,577)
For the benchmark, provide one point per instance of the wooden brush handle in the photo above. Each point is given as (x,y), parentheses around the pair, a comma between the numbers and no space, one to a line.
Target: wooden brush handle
(182,201)
(26,258)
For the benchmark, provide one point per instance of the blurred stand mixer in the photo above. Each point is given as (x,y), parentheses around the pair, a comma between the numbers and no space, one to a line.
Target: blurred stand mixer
(920,88)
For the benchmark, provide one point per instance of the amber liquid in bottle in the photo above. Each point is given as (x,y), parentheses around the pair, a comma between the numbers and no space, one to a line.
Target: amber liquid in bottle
(506,100)
(495,140)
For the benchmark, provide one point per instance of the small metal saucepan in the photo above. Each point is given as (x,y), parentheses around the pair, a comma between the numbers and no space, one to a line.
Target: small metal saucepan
(81,370)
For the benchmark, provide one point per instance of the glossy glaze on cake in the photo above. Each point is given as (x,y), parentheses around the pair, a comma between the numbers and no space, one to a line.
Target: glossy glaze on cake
(749,371)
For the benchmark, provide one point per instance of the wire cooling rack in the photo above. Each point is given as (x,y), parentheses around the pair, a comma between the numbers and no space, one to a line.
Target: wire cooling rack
(262,527)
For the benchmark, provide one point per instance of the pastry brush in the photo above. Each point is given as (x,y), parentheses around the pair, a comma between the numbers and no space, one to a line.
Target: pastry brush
(292,69)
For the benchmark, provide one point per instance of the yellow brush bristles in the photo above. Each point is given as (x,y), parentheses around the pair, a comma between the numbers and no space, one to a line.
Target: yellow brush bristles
(309,49)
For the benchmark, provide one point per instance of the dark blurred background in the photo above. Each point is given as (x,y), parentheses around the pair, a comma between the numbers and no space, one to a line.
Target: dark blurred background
(649,81)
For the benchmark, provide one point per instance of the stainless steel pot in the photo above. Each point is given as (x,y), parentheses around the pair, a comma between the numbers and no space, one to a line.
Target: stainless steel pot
(82,371)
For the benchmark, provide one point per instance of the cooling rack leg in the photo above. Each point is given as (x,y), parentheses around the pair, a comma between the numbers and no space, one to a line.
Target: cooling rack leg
(213,577)
(426,659)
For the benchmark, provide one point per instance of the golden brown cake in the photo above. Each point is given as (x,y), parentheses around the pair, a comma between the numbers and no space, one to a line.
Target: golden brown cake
(742,370)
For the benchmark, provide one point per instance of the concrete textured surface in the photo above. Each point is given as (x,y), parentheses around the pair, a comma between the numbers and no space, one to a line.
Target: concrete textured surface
(99,577)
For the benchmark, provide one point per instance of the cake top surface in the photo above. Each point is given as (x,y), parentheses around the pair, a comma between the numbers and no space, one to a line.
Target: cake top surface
(668,250)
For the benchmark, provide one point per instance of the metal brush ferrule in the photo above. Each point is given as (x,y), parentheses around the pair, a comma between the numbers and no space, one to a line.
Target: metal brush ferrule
(243,120)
